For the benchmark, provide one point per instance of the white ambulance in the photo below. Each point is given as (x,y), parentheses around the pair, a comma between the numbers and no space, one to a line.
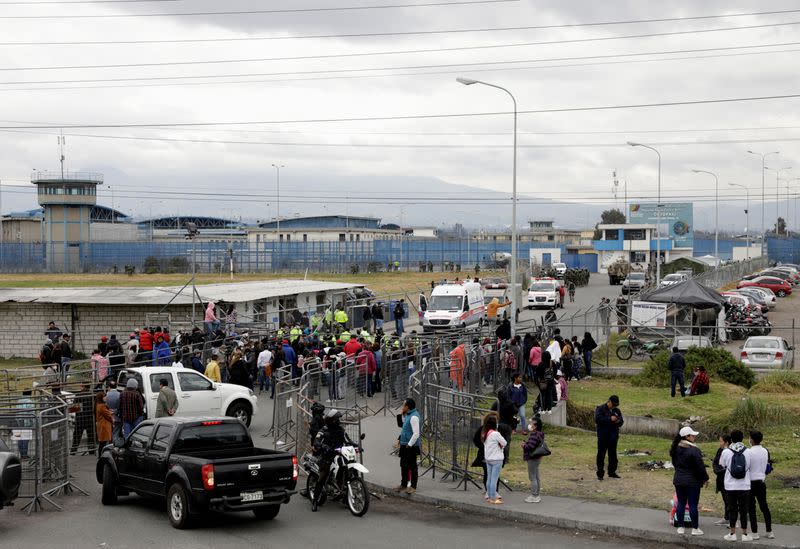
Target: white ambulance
(544,292)
(452,305)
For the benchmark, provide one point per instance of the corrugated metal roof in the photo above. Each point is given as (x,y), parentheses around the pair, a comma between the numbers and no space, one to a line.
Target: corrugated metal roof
(231,293)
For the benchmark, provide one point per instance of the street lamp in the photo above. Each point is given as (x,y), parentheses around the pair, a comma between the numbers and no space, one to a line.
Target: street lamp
(789,182)
(469,82)
(278,207)
(746,215)
(192,233)
(716,213)
(777,192)
(763,195)
(658,210)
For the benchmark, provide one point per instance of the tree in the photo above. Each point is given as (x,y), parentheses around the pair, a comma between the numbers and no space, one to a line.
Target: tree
(781,226)
(613,216)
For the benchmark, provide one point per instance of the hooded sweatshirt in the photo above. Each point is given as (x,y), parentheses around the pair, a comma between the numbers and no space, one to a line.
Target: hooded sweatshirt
(725,459)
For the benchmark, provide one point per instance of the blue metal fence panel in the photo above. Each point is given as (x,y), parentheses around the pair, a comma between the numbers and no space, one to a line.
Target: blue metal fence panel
(581,261)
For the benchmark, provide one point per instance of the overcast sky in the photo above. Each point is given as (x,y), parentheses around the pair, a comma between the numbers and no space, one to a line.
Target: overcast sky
(564,155)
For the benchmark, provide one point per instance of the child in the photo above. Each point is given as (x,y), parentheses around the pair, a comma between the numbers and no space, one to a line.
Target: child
(535,440)
(561,386)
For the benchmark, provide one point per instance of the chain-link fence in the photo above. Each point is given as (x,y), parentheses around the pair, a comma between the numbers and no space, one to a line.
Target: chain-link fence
(723,275)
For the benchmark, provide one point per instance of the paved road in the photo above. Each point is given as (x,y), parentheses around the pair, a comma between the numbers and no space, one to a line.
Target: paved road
(136,522)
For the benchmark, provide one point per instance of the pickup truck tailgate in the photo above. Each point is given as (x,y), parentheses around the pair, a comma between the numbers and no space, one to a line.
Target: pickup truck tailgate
(260,471)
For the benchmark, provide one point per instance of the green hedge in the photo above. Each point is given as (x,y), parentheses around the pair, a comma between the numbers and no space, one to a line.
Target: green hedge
(719,364)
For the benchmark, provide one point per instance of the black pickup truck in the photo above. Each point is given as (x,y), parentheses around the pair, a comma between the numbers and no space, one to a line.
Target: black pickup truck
(10,475)
(198,464)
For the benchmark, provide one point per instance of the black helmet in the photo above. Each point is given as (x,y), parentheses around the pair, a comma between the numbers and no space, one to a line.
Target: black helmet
(317,409)
(332,418)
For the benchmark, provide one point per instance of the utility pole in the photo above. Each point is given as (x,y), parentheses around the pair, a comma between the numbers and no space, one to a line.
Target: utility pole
(763,198)
(278,206)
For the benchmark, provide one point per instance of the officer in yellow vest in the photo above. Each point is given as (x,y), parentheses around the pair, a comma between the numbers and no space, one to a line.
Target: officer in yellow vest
(295,333)
(340,317)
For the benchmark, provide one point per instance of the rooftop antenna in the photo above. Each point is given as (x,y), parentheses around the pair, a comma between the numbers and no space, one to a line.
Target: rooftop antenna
(61,144)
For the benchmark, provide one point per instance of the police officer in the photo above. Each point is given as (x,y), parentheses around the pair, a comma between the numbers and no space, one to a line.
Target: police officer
(331,437)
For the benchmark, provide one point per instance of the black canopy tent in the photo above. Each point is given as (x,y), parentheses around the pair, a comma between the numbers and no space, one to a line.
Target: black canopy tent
(689,293)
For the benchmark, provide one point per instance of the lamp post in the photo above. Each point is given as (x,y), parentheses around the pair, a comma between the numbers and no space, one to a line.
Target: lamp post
(658,210)
(716,213)
(777,192)
(191,233)
(278,206)
(746,215)
(469,82)
(763,195)
(789,182)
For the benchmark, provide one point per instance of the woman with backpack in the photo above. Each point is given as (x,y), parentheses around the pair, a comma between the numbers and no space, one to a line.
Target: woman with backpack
(736,461)
(690,476)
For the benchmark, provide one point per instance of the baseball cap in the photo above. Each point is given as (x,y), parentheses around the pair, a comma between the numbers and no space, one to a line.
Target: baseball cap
(686,431)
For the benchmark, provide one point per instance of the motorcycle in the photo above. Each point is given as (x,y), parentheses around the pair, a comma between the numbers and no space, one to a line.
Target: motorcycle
(345,480)
(626,348)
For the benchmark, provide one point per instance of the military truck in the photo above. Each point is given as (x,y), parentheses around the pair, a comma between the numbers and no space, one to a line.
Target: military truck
(617,271)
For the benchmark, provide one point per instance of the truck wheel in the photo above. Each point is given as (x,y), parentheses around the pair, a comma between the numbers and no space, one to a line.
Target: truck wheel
(178,506)
(267,512)
(109,493)
(624,352)
(240,411)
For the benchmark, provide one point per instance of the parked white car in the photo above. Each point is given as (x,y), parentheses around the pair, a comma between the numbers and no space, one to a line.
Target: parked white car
(197,395)
(671,279)
(767,352)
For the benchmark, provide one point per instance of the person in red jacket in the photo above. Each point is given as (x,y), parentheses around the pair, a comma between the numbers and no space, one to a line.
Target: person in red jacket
(145,346)
(365,362)
(352,347)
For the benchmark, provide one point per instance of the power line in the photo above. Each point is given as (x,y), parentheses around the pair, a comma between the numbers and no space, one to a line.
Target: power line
(256,12)
(431,50)
(408,67)
(400,33)
(411,116)
(423,146)
(385,75)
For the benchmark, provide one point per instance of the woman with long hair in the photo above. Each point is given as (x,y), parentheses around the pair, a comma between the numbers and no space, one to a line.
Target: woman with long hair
(493,445)
(103,421)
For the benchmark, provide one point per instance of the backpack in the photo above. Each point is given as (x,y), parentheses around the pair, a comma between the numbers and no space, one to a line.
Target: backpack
(738,465)
(509,360)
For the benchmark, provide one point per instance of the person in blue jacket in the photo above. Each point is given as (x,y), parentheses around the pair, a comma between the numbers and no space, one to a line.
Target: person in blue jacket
(162,354)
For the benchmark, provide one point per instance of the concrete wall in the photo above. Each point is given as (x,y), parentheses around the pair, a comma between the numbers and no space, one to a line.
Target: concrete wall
(641,425)
(22,333)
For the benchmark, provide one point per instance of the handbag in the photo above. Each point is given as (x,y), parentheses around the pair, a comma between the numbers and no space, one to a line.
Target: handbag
(541,451)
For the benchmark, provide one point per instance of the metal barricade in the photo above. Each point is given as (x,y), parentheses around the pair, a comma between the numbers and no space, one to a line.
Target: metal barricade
(37,427)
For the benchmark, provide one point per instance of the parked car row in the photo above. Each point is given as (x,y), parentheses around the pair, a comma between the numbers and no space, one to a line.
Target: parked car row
(780,279)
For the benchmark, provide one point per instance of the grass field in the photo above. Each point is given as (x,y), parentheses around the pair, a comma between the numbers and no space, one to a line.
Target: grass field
(380,283)
(569,472)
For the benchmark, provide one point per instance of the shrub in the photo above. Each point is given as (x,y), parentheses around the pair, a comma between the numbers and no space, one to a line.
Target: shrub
(719,364)
(151,265)
(779,382)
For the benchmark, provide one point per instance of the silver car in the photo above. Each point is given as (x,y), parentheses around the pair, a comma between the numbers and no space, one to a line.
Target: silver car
(767,352)
(683,342)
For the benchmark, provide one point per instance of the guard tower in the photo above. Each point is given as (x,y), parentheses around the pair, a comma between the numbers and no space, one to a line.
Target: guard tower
(67,198)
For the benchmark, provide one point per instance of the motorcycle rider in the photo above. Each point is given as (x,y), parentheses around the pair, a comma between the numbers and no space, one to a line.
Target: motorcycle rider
(331,437)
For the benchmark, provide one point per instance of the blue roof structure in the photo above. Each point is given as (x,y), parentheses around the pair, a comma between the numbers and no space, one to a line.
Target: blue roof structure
(325,222)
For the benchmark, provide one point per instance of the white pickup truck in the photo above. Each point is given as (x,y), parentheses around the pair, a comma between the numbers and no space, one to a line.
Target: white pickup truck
(197,395)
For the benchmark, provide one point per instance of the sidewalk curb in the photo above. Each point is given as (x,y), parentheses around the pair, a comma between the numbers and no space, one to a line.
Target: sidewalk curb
(629,532)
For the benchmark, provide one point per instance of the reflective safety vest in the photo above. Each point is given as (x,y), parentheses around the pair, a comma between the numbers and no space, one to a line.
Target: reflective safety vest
(340,316)
(328,316)
(315,320)
(294,334)
(345,336)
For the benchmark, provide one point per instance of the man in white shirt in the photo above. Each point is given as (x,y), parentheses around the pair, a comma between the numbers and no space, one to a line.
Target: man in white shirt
(759,459)
(263,360)
(737,483)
